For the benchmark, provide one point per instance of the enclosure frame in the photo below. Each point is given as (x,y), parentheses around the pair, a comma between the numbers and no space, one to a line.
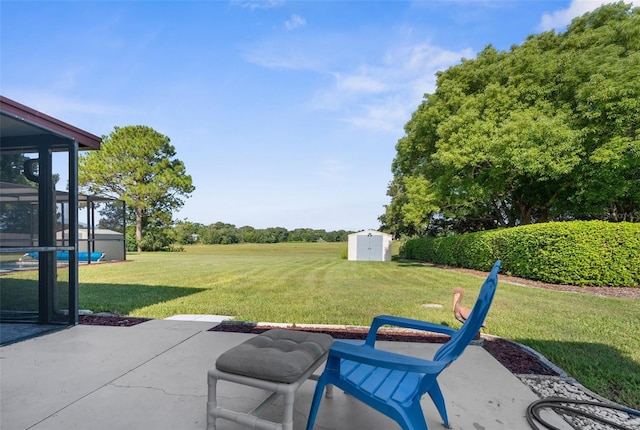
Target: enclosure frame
(25,130)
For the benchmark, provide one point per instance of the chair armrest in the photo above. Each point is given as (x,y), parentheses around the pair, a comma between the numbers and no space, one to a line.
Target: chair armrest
(379,358)
(381,320)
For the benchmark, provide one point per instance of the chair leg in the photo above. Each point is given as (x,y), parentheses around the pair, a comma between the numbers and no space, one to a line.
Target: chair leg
(315,403)
(414,417)
(438,399)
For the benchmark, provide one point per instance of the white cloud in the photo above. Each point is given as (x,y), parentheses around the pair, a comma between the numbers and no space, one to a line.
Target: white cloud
(417,57)
(374,89)
(561,18)
(387,115)
(273,54)
(358,83)
(258,4)
(296,21)
(380,96)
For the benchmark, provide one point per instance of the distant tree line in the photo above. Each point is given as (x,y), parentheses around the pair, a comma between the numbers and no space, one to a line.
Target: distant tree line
(220,233)
(138,165)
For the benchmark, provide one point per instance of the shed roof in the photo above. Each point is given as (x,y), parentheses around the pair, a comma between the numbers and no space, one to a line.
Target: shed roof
(363,232)
(21,126)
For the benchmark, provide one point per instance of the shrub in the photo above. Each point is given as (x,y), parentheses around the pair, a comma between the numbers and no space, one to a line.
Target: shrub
(595,253)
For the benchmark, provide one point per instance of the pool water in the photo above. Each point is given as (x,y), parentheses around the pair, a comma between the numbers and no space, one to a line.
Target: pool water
(13,266)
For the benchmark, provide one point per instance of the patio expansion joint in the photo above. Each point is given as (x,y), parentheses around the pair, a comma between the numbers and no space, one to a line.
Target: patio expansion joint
(162,390)
(112,381)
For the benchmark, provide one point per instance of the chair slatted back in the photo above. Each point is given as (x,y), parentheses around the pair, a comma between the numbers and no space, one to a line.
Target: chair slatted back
(459,341)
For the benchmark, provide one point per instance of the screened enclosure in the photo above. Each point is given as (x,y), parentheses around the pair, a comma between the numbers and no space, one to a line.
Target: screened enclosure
(38,199)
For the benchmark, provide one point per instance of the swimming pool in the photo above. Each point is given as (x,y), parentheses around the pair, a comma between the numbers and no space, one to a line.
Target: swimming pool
(13,266)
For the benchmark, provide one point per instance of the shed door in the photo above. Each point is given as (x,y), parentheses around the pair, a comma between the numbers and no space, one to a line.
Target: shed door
(370,247)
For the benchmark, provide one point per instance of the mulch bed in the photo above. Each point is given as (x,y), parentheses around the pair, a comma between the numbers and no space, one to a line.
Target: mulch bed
(111,320)
(514,358)
(517,360)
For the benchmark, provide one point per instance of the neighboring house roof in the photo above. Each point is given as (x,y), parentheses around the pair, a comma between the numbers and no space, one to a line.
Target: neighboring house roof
(96,231)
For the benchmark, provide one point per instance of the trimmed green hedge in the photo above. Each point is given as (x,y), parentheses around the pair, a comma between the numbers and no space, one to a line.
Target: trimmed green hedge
(586,253)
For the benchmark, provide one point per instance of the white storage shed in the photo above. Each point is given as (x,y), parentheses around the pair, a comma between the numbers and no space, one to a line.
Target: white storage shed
(370,245)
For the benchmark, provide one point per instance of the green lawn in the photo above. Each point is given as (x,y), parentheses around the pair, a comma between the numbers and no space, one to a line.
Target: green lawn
(594,339)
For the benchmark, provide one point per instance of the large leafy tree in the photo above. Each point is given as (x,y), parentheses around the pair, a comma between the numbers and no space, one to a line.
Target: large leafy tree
(138,165)
(15,217)
(548,130)
(11,169)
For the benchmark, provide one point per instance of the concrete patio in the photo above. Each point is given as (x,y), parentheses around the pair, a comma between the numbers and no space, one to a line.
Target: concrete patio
(154,376)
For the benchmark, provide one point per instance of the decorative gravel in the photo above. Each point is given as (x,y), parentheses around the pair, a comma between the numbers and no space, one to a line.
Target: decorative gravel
(566,388)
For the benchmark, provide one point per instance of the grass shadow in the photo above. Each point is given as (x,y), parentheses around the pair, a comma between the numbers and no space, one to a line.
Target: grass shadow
(604,369)
(121,299)
(409,263)
(18,294)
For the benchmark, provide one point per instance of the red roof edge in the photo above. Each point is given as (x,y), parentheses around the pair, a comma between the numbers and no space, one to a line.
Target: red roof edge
(47,122)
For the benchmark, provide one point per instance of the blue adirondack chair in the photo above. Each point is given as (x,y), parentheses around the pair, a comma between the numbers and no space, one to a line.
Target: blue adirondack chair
(393,383)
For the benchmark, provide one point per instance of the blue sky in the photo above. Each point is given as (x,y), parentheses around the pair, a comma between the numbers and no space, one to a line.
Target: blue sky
(286,113)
